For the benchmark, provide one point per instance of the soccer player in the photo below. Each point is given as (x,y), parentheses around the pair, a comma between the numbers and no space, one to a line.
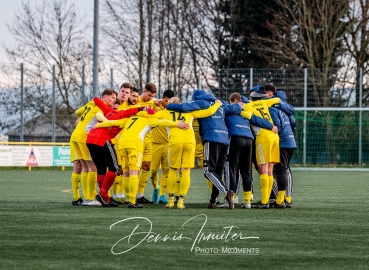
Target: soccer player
(215,139)
(88,115)
(240,150)
(147,100)
(160,154)
(181,149)
(103,154)
(199,150)
(267,143)
(287,144)
(118,188)
(131,146)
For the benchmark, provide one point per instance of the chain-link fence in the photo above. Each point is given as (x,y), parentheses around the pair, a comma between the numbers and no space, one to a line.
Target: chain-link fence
(332,108)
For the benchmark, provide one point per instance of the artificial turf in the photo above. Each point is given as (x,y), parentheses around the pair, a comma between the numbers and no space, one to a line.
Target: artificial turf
(326,228)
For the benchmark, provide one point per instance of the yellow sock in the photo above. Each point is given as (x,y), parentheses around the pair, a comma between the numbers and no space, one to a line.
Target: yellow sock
(288,199)
(171,182)
(85,189)
(128,195)
(75,179)
(115,186)
(178,183)
(133,186)
(144,175)
(247,196)
(125,184)
(92,178)
(171,199)
(163,181)
(210,185)
(201,162)
(280,197)
(154,179)
(264,188)
(271,181)
(185,182)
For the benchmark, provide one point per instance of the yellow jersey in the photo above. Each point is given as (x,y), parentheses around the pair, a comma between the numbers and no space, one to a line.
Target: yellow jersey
(89,115)
(196,129)
(159,134)
(177,135)
(135,130)
(124,106)
(261,108)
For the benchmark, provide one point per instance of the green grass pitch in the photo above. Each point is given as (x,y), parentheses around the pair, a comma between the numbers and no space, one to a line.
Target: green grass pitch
(327,228)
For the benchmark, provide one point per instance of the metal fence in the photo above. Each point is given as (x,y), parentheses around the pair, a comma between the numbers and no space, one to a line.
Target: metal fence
(332,107)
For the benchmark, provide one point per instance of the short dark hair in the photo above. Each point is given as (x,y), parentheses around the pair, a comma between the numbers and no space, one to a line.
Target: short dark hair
(108,92)
(126,85)
(168,93)
(134,89)
(150,87)
(235,97)
(270,87)
(117,101)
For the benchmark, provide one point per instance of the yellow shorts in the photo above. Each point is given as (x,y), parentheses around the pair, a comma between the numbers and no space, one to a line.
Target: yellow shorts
(267,152)
(181,155)
(199,153)
(131,159)
(79,151)
(147,154)
(159,156)
(117,152)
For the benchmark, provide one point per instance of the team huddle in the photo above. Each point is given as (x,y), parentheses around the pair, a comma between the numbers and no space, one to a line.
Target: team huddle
(123,139)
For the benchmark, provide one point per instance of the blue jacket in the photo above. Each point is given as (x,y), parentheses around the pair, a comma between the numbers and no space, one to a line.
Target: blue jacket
(283,105)
(189,107)
(240,126)
(285,130)
(195,105)
(212,128)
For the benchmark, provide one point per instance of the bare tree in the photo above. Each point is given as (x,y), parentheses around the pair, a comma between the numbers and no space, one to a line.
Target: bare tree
(308,33)
(357,44)
(50,33)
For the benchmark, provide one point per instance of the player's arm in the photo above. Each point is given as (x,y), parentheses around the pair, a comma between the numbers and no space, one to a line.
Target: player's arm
(189,107)
(168,123)
(286,108)
(127,113)
(260,122)
(208,112)
(102,106)
(146,114)
(292,123)
(100,116)
(112,123)
(232,109)
(270,102)
(247,114)
(79,111)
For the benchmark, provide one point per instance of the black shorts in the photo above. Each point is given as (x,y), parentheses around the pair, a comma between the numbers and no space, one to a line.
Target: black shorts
(104,157)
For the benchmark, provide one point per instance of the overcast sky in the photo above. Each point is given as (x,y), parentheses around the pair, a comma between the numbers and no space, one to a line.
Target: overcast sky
(8,7)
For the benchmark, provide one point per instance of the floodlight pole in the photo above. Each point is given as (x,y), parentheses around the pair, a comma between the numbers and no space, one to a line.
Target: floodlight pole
(21,109)
(305,119)
(53,108)
(360,117)
(83,86)
(96,50)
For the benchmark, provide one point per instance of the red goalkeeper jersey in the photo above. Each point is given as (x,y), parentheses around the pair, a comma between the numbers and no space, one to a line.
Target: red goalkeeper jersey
(99,136)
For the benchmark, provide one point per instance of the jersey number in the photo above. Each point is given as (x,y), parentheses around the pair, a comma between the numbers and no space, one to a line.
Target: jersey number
(133,121)
(180,117)
(263,114)
(85,111)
